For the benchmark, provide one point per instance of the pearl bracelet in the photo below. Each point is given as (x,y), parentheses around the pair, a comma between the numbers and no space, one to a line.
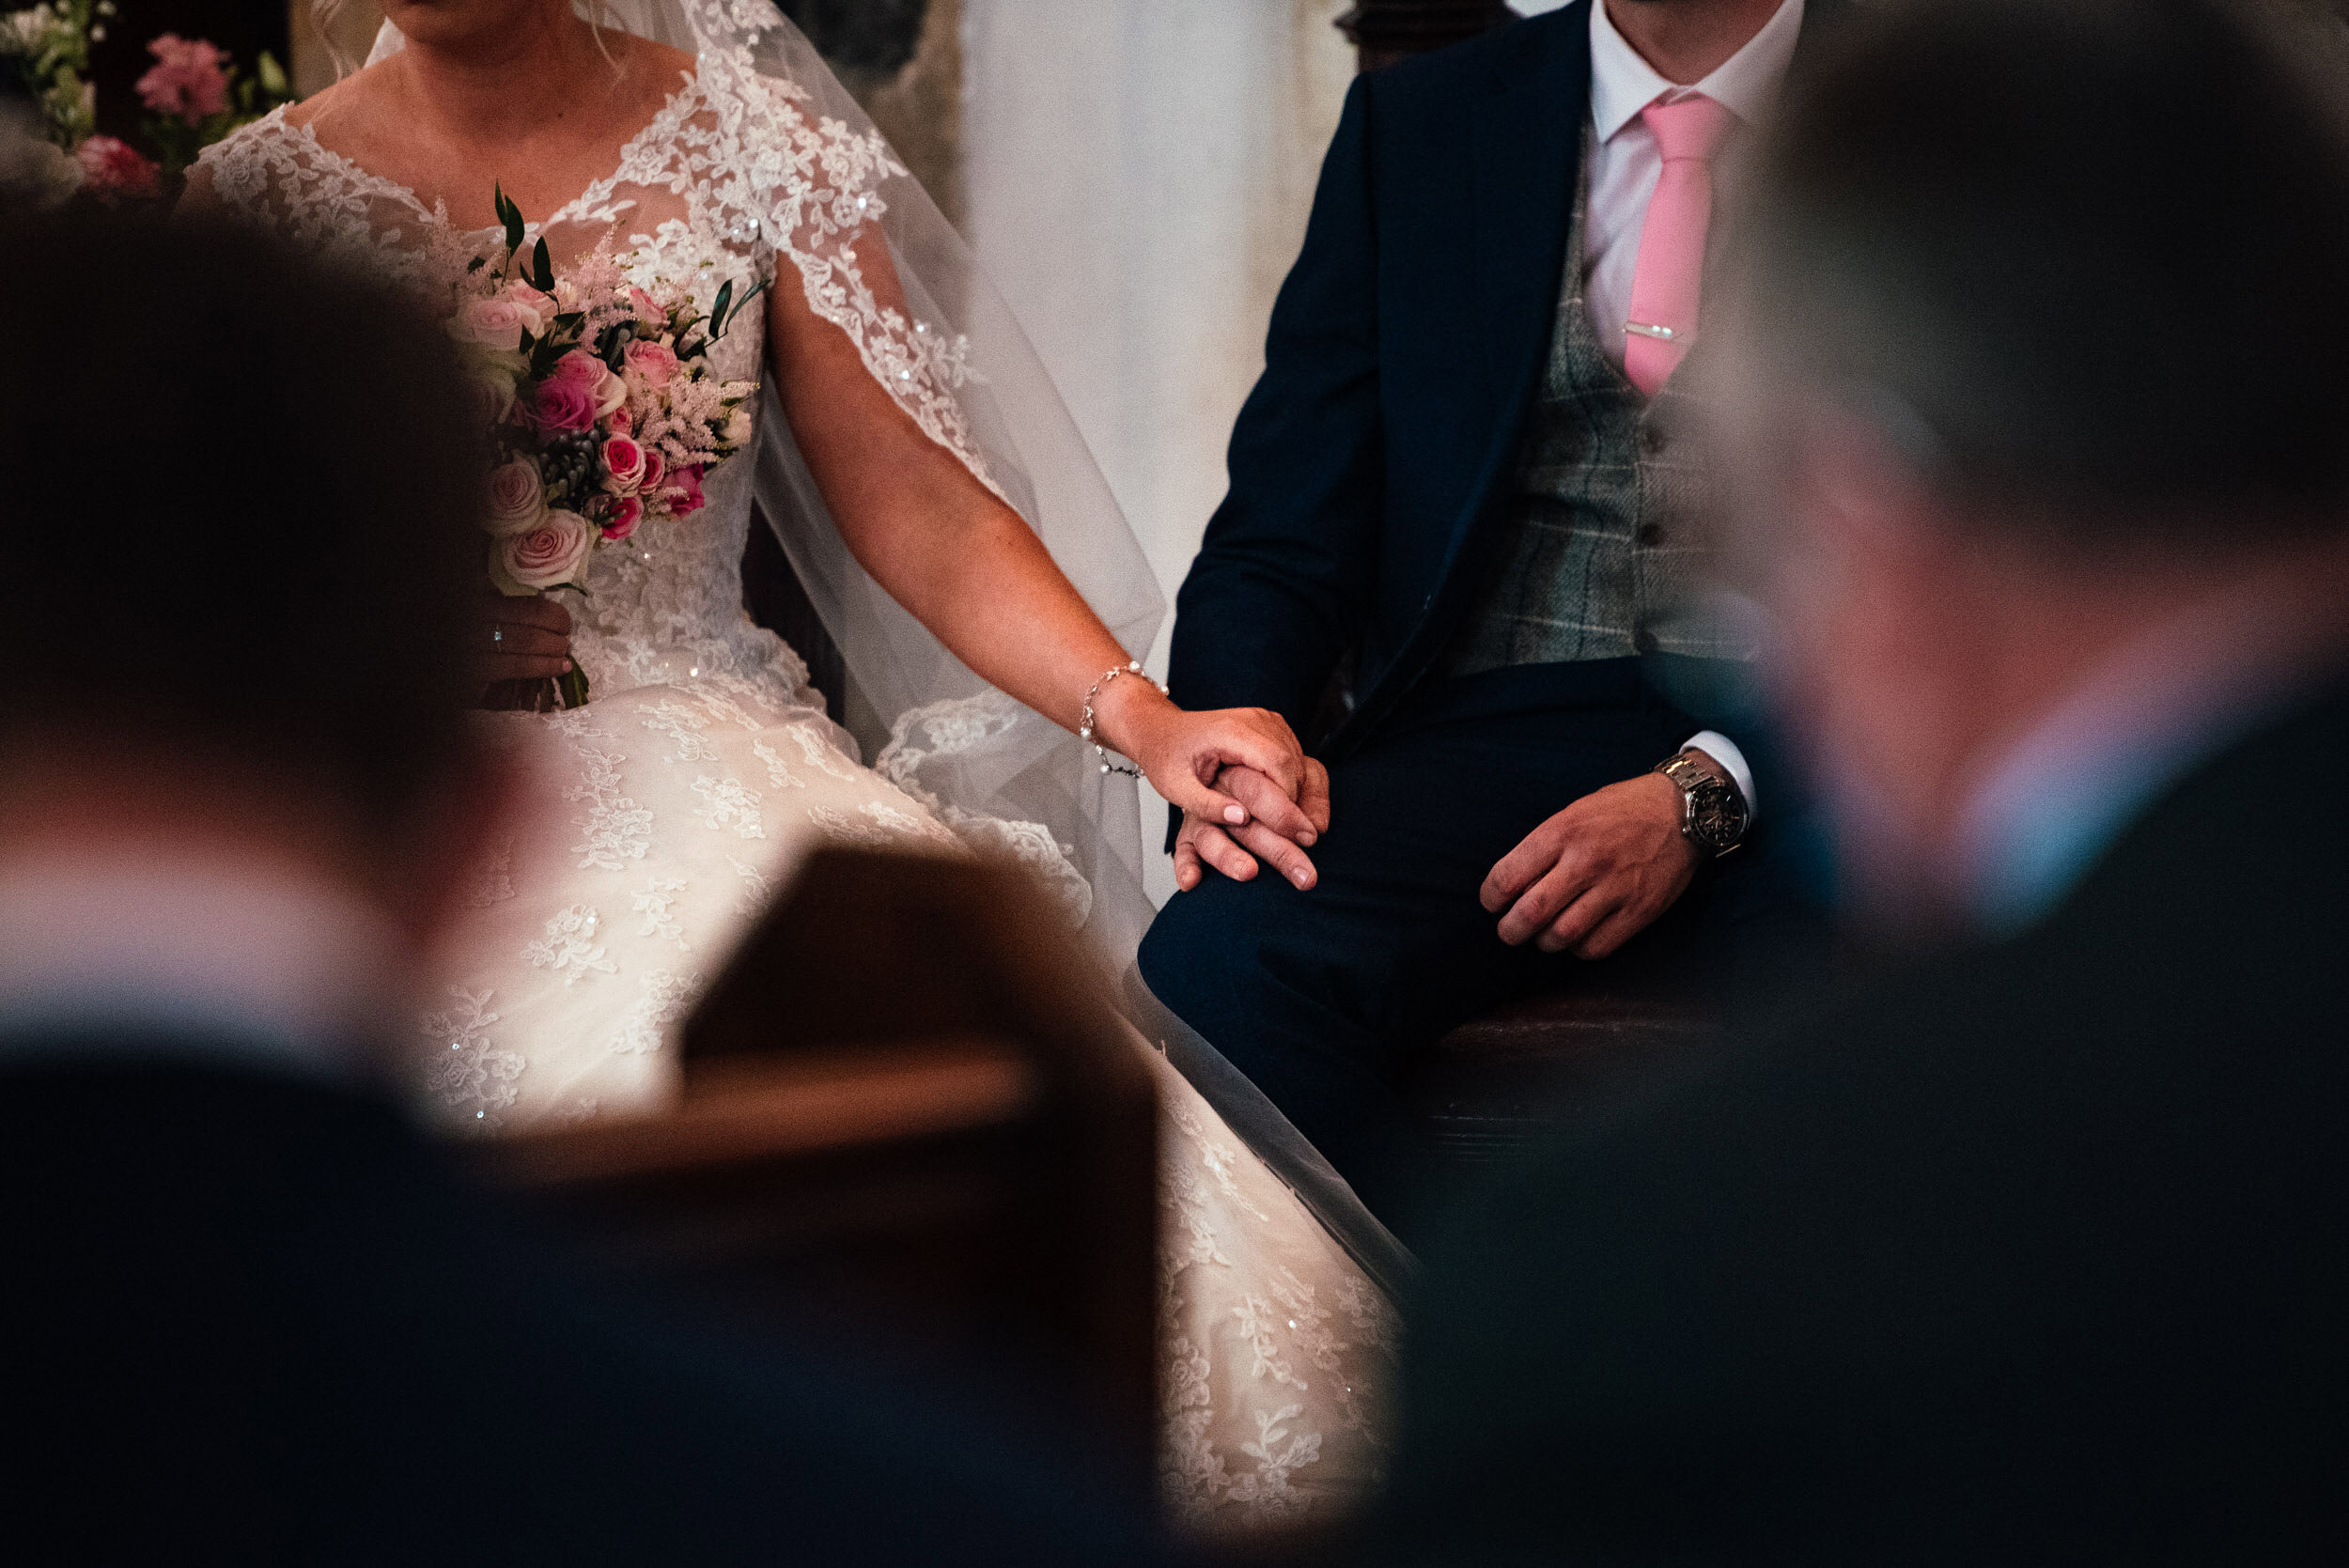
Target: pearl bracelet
(1085,730)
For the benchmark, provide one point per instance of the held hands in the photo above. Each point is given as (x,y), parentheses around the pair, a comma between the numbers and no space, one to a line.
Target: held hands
(519,639)
(1595,875)
(1186,755)
(1280,830)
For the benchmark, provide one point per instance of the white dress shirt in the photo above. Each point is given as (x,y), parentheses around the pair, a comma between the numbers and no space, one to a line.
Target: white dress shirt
(249,965)
(1624,164)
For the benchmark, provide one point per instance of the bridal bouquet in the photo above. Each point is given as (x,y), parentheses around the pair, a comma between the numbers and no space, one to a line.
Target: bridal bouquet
(602,408)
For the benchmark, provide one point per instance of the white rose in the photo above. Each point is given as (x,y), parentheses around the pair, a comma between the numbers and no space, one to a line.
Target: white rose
(738,431)
(546,556)
(518,499)
(493,323)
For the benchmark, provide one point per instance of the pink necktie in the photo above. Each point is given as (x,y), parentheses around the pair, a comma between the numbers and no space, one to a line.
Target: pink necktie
(1671,269)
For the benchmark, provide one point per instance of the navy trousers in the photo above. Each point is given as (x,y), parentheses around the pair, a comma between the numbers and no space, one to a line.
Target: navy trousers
(1320,997)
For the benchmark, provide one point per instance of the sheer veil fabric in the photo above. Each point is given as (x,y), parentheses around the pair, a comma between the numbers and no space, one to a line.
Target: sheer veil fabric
(952,356)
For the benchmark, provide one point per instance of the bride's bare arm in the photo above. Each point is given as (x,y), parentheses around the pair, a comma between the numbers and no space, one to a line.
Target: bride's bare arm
(971,571)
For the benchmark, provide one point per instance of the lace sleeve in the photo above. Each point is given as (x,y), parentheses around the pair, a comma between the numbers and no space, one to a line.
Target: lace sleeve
(810,189)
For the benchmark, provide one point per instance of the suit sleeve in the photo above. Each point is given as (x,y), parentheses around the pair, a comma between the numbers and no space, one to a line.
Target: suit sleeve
(1282,582)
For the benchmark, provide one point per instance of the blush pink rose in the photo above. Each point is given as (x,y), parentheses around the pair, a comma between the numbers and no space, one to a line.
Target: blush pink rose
(112,170)
(546,556)
(623,465)
(537,309)
(648,308)
(496,322)
(684,491)
(518,499)
(579,365)
(189,79)
(621,515)
(557,405)
(649,365)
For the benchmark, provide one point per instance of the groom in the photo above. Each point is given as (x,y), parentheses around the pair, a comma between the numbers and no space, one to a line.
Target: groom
(1467,467)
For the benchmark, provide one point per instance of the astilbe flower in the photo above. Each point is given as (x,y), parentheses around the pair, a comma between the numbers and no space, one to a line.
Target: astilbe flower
(189,79)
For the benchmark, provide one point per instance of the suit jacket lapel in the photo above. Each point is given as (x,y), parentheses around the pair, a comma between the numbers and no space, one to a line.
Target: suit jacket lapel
(1526,144)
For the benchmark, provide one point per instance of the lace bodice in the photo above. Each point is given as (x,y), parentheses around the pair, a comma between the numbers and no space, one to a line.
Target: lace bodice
(729,178)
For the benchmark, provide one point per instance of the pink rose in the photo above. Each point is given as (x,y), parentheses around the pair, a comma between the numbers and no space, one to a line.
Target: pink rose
(656,468)
(621,516)
(189,79)
(623,465)
(546,556)
(580,366)
(648,308)
(518,499)
(496,322)
(113,171)
(650,366)
(537,309)
(557,405)
(684,491)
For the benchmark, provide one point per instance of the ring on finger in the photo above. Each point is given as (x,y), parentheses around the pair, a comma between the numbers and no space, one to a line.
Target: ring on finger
(497,634)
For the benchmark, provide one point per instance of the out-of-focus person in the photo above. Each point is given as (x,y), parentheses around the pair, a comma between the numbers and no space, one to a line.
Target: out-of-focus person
(2030,1250)
(250,1315)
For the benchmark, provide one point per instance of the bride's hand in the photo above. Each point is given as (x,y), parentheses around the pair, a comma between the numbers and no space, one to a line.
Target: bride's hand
(1181,754)
(519,639)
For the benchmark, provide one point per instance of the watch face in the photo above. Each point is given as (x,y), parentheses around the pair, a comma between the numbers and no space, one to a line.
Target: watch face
(1717,816)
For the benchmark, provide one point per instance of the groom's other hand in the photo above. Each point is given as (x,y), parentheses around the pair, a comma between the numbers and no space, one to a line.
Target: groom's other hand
(1595,875)
(1279,829)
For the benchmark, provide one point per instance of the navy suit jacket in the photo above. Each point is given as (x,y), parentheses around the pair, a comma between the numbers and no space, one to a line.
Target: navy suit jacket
(1371,461)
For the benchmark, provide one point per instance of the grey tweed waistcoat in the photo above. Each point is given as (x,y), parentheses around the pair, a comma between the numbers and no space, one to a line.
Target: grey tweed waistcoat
(1599,555)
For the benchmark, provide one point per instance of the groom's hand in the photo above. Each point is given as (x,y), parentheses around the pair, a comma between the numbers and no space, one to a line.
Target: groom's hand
(1593,877)
(1279,829)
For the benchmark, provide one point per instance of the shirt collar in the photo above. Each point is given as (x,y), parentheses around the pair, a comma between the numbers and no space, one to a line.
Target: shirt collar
(1623,83)
(192,954)
(2063,795)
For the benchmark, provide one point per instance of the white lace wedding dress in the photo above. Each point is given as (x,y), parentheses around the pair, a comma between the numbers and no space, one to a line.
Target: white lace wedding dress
(705,768)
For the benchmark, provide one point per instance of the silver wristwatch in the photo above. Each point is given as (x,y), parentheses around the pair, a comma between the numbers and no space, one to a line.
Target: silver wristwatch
(1714,816)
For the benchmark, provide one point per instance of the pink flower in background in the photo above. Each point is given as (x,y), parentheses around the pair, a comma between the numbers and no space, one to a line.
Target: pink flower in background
(621,518)
(558,405)
(190,79)
(111,170)
(685,492)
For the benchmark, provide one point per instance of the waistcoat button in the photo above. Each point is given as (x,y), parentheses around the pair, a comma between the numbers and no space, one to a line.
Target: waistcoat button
(1652,439)
(1651,534)
(1643,639)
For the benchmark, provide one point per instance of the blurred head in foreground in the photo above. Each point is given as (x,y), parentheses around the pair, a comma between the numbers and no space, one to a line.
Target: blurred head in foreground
(238,517)
(2043,353)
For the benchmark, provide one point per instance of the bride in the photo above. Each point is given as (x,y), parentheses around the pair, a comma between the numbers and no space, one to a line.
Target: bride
(958,542)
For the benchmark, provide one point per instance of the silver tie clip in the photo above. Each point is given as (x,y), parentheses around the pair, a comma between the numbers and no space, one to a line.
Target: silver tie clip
(1662,335)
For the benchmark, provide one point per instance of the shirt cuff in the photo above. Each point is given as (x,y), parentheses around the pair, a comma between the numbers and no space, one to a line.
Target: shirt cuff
(1713,743)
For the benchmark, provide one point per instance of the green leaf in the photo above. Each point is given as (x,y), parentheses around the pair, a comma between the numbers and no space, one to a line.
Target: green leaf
(476,264)
(511,216)
(688,351)
(272,75)
(717,311)
(544,279)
